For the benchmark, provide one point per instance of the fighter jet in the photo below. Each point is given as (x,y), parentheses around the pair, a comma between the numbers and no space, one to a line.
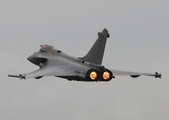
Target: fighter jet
(89,68)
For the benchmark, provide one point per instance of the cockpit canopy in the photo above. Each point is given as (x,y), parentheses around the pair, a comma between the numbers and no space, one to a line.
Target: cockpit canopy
(48,49)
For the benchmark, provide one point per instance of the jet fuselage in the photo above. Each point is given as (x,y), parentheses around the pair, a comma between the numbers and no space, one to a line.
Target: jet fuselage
(53,62)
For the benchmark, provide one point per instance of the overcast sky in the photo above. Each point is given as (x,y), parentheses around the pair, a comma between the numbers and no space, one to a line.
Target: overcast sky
(139,41)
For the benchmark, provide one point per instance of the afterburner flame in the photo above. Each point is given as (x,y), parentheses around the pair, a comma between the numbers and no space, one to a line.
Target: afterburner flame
(93,75)
(106,75)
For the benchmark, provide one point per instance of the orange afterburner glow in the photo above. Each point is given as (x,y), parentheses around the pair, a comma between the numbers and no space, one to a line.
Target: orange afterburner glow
(106,75)
(93,75)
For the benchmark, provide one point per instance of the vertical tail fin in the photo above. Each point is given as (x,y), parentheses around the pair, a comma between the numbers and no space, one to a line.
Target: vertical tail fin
(95,54)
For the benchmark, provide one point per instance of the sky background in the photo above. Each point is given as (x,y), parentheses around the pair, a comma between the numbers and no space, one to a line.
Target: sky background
(139,41)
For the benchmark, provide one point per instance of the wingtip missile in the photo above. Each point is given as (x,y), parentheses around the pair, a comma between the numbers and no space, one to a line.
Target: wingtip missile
(17,76)
(157,75)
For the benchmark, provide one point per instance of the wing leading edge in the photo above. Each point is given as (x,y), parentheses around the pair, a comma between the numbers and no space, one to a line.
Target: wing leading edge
(134,74)
(46,71)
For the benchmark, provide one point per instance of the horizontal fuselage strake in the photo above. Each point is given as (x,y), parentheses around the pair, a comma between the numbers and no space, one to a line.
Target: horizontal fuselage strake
(72,68)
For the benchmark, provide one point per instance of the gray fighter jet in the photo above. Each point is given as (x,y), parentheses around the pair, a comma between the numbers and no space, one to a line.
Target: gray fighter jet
(53,62)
